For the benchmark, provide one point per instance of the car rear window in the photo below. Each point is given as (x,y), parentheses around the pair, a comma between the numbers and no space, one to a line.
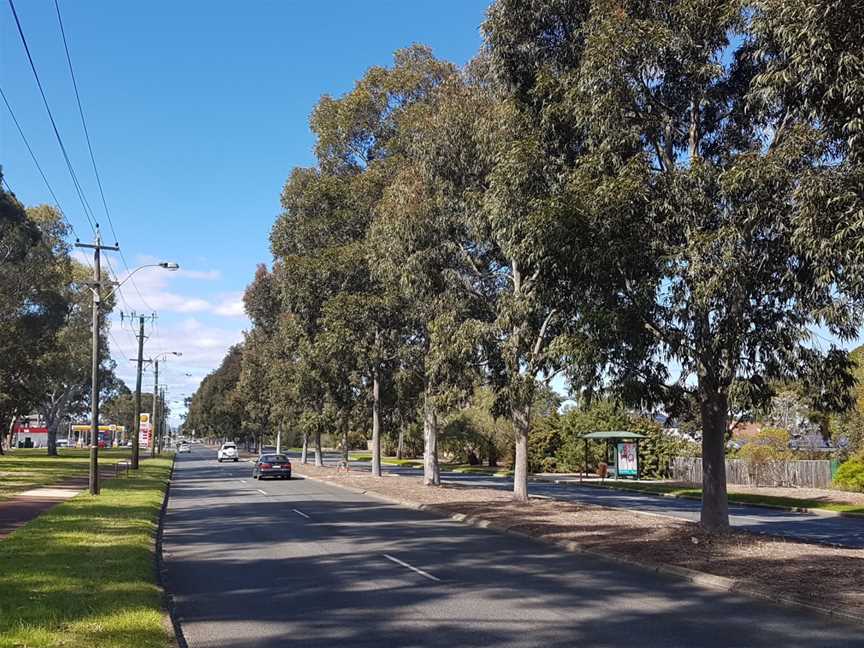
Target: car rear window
(276,458)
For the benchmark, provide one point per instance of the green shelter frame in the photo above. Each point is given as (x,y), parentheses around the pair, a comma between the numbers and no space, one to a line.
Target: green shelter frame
(611,438)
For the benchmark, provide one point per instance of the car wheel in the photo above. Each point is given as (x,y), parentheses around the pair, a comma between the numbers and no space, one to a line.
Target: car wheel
(219,460)
(288,476)
(235,459)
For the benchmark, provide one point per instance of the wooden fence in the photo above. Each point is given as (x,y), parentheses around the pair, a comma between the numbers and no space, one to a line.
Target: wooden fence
(803,474)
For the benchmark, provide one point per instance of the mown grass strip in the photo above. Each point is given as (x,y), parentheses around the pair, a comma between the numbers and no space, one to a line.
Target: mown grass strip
(745,498)
(23,469)
(83,575)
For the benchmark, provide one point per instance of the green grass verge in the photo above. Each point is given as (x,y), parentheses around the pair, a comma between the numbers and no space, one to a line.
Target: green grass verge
(23,469)
(478,470)
(390,461)
(82,574)
(745,498)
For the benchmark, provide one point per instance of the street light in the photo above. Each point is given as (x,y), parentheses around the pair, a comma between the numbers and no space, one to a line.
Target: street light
(155,360)
(95,287)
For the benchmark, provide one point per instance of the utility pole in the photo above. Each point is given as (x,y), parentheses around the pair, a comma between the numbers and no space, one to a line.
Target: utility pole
(137,410)
(153,421)
(96,286)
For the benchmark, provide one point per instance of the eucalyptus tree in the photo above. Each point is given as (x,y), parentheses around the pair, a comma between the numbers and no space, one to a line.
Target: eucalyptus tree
(709,258)
(34,301)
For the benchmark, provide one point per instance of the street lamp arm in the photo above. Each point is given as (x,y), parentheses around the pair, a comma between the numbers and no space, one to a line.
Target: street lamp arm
(167,265)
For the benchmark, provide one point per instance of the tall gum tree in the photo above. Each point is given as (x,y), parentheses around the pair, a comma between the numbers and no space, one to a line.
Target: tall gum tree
(719,270)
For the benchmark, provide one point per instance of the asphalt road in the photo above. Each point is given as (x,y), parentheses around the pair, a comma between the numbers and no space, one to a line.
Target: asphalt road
(809,527)
(301,563)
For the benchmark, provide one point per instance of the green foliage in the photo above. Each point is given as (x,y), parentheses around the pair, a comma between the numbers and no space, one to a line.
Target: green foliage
(770,444)
(850,474)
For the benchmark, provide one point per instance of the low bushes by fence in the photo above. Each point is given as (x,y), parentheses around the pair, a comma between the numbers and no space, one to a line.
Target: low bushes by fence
(803,474)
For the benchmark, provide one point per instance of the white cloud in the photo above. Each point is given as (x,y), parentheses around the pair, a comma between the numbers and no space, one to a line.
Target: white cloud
(231,306)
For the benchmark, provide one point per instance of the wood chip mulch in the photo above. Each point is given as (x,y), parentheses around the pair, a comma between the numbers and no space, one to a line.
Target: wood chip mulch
(825,576)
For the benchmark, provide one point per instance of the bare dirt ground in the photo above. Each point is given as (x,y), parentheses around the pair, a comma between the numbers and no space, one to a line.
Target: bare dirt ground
(824,576)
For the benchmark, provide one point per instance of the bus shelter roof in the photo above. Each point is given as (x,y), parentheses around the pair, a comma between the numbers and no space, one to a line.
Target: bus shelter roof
(613,435)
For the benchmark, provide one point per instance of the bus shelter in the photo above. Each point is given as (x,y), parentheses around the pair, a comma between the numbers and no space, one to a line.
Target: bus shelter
(625,447)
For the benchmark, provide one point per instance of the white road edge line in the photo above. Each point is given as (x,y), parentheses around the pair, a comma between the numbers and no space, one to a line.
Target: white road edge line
(301,513)
(411,567)
(242,481)
(260,491)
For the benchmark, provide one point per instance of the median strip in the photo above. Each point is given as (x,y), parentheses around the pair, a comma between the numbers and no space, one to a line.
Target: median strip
(411,567)
(816,577)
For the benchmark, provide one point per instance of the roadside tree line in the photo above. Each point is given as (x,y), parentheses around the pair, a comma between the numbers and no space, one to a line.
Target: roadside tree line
(657,201)
(45,327)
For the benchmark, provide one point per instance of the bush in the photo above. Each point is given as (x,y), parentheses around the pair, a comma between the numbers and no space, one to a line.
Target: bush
(766,456)
(850,475)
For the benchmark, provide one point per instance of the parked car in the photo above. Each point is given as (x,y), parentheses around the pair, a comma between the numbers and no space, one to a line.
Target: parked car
(184,447)
(228,452)
(272,465)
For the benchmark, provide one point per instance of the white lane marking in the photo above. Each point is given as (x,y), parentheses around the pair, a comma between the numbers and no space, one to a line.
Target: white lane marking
(260,491)
(300,513)
(242,481)
(411,567)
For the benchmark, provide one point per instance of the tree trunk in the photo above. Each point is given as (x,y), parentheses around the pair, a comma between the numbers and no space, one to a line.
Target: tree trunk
(304,453)
(376,425)
(492,454)
(52,437)
(279,440)
(400,445)
(344,425)
(521,425)
(714,408)
(431,471)
(319,460)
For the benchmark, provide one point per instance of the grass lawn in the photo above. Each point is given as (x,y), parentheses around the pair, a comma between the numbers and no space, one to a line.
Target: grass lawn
(390,461)
(478,470)
(23,469)
(745,498)
(82,574)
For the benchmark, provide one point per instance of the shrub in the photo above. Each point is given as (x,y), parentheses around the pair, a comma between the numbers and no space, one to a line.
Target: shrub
(850,475)
(766,456)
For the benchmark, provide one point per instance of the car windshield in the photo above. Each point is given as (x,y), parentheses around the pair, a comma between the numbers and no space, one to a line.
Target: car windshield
(272,458)
(228,446)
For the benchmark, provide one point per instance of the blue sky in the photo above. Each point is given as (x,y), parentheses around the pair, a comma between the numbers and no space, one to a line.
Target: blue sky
(197,112)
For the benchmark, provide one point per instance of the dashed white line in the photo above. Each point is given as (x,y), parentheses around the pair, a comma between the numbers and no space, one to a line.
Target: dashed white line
(301,513)
(242,481)
(260,491)
(411,567)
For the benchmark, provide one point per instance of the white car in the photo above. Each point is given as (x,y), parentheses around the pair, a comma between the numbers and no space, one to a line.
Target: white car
(228,452)
(184,447)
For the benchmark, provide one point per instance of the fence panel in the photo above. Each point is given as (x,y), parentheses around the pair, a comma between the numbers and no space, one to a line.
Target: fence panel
(803,474)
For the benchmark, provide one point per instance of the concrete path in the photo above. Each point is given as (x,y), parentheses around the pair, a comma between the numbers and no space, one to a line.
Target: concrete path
(256,564)
(808,527)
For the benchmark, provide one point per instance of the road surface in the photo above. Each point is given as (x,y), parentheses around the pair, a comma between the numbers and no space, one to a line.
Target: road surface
(253,564)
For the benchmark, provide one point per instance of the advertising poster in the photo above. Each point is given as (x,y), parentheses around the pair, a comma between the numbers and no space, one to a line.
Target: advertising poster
(627,460)
(144,432)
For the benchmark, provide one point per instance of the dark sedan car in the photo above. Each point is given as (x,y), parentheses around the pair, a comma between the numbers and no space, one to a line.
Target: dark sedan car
(272,465)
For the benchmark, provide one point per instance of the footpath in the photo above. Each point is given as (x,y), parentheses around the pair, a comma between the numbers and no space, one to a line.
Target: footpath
(27,505)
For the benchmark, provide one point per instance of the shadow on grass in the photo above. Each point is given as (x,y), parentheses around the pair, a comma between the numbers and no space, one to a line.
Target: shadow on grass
(83,572)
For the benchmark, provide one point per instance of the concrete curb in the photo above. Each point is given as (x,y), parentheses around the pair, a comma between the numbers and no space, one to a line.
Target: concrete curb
(776,507)
(700,579)
(167,597)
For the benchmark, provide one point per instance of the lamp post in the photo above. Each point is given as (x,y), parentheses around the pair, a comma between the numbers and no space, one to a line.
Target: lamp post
(153,419)
(96,287)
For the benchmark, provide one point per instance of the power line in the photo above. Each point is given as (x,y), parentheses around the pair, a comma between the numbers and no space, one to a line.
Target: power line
(36,162)
(92,156)
(87,211)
